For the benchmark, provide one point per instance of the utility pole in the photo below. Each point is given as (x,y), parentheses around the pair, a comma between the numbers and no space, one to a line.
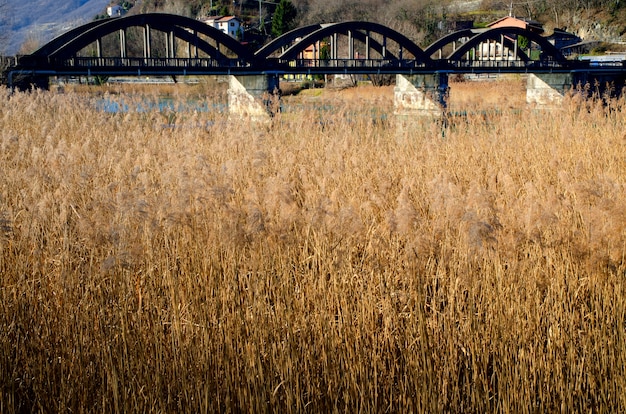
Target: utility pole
(261,25)
(261,22)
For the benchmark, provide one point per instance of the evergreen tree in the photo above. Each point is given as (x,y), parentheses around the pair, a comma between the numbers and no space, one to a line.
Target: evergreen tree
(284,18)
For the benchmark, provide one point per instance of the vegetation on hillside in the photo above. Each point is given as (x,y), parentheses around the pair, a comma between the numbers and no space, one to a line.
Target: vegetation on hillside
(422,20)
(283,18)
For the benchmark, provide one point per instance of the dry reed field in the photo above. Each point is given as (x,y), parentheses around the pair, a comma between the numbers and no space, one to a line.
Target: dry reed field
(326,262)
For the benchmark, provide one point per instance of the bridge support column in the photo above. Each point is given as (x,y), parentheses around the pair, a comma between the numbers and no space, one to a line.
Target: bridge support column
(421,95)
(253,96)
(547,90)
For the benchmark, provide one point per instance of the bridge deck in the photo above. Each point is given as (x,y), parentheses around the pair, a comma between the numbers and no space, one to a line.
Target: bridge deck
(118,66)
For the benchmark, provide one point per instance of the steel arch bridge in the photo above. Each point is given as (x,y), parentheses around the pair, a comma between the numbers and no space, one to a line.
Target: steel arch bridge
(373,37)
(203,42)
(164,44)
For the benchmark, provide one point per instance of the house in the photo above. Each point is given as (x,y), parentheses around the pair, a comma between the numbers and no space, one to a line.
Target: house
(522,23)
(580,48)
(230,25)
(312,54)
(315,51)
(493,50)
(115,11)
(563,40)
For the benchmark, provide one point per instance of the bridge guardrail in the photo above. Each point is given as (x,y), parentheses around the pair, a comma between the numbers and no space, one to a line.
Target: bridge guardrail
(353,63)
(98,62)
(30,61)
(128,62)
(505,64)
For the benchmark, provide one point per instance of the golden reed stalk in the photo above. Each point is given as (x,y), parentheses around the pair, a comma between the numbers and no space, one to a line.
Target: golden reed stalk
(328,262)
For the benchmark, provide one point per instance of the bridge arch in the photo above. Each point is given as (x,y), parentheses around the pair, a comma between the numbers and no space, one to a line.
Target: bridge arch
(439,45)
(360,31)
(451,38)
(180,27)
(64,38)
(285,39)
(549,51)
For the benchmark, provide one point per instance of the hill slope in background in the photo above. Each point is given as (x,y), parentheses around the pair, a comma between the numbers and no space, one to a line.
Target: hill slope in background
(41,20)
(38,21)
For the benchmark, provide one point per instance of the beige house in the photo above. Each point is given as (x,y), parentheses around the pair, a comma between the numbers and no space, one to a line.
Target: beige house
(492,50)
(230,25)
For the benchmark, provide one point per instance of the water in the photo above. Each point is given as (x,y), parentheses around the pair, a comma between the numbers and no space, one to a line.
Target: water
(170,106)
(161,104)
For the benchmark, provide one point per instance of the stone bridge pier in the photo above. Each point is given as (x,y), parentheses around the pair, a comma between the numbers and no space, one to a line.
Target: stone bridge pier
(547,90)
(421,95)
(254,97)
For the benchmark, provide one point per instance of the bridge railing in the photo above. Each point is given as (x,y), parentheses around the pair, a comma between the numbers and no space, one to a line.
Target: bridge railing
(353,63)
(129,62)
(119,62)
(515,64)
(489,63)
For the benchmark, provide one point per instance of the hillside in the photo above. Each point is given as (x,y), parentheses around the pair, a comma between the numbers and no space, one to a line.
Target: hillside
(38,21)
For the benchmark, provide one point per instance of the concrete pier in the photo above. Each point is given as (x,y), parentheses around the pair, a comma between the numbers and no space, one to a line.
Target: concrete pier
(421,95)
(253,97)
(547,90)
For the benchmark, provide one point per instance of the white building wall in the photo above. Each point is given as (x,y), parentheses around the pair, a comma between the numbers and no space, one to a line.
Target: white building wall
(115,11)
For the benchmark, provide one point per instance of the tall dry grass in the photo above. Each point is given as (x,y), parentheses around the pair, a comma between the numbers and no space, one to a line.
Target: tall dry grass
(310,266)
